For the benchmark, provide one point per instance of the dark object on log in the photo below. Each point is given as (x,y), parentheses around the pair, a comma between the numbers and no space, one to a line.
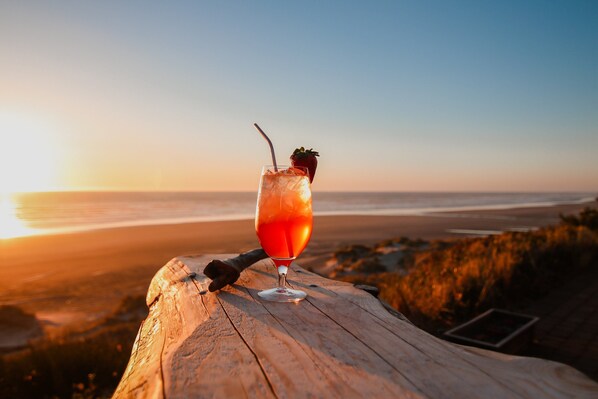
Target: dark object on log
(497,330)
(370,289)
(227,271)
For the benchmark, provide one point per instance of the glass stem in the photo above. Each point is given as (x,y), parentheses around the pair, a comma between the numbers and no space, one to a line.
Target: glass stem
(283,268)
(282,280)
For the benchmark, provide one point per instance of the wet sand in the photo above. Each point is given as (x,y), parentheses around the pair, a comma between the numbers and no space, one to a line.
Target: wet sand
(81,276)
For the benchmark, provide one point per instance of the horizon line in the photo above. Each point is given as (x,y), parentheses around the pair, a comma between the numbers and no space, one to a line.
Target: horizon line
(116,190)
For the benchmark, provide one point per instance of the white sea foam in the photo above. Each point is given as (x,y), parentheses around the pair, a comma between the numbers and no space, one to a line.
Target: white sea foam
(69,212)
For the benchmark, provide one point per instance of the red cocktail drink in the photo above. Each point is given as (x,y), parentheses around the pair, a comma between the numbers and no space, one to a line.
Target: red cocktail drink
(283,222)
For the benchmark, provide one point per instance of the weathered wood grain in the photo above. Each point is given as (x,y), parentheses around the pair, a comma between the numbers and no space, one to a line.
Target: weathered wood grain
(338,343)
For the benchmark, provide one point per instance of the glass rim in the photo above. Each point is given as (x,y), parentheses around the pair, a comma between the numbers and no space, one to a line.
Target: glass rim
(283,167)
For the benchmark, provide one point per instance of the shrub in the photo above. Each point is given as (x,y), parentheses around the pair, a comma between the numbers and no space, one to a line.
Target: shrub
(587,218)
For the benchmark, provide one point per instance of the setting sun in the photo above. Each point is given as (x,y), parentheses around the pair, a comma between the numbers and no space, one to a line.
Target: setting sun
(28,155)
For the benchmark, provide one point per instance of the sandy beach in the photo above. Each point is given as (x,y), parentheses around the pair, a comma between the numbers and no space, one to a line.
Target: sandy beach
(68,278)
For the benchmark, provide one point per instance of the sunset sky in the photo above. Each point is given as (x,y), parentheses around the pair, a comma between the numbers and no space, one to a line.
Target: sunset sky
(395,95)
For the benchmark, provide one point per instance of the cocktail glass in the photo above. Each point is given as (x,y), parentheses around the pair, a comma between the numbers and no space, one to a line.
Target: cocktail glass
(283,222)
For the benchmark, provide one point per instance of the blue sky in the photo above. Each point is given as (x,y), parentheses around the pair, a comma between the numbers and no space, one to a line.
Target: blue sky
(396,96)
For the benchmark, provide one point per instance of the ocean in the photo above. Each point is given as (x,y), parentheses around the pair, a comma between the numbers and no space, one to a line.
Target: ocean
(59,212)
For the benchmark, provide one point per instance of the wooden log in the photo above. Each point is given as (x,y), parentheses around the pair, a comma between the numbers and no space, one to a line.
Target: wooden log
(338,343)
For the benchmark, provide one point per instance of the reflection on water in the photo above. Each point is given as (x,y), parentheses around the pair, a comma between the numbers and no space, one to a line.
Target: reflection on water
(69,212)
(10,224)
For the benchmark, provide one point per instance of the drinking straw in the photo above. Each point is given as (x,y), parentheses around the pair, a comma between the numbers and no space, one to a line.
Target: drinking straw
(270,144)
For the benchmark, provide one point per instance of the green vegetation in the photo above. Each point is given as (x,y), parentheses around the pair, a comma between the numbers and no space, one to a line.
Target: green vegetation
(447,282)
(86,364)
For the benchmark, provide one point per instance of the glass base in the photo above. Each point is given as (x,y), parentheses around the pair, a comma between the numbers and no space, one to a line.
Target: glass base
(282,295)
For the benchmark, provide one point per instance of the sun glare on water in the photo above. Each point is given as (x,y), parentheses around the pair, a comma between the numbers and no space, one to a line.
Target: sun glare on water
(10,224)
(28,154)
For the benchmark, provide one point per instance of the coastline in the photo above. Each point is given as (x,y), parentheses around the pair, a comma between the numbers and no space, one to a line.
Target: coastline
(369,210)
(65,277)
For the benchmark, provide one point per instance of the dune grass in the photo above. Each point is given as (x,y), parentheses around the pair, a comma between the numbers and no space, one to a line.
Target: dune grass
(86,364)
(449,282)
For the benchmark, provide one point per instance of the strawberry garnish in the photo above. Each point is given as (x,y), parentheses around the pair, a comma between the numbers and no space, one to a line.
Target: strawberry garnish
(307,159)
